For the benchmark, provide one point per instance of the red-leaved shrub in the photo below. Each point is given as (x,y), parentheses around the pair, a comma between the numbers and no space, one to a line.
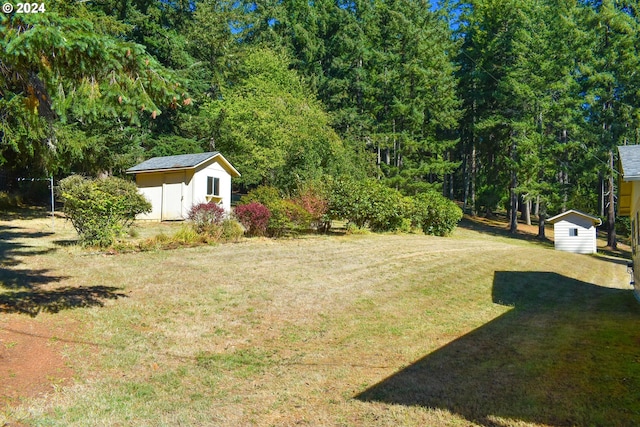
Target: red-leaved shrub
(207,218)
(313,201)
(254,217)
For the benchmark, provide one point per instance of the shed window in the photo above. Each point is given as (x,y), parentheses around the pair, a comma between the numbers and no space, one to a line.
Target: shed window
(213,186)
(573,232)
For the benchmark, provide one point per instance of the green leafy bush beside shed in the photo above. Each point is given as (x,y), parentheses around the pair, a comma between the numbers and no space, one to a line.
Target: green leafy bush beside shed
(101,209)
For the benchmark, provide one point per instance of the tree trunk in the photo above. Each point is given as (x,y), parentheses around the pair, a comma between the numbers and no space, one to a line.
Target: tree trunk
(450,195)
(526,211)
(513,203)
(513,215)
(601,196)
(542,216)
(513,212)
(565,184)
(611,211)
(473,179)
(467,181)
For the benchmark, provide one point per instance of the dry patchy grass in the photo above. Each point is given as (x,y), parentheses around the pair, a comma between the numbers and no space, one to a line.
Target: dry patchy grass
(360,330)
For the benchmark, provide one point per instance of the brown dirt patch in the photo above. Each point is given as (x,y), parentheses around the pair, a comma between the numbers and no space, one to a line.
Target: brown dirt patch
(31,359)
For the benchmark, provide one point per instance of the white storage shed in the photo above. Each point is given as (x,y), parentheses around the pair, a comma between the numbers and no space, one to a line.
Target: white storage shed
(173,184)
(575,232)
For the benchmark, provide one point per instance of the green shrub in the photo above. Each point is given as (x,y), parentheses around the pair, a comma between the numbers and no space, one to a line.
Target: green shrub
(387,208)
(351,200)
(232,230)
(187,236)
(435,214)
(101,209)
(264,194)
(286,215)
(297,217)
(405,226)
(8,200)
(367,203)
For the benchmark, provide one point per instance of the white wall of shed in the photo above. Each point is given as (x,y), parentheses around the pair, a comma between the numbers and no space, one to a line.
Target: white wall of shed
(150,186)
(583,243)
(194,189)
(215,170)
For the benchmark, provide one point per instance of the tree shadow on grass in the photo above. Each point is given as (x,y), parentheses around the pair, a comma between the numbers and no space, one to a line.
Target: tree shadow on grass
(34,301)
(501,231)
(12,244)
(30,291)
(565,354)
(66,242)
(26,279)
(25,213)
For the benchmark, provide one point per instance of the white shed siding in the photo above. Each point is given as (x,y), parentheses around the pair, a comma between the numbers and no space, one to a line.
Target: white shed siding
(173,196)
(172,193)
(214,170)
(583,243)
(150,186)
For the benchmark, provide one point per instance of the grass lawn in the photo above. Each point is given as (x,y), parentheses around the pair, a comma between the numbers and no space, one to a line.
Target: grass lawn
(358,330)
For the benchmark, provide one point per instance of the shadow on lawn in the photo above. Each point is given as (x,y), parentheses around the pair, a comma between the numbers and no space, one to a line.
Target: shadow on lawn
(10,247)
(499,229)
(34,301)
(566,354)
(28,291)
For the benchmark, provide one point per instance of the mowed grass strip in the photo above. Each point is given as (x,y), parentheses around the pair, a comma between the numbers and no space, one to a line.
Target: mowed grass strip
(365,330)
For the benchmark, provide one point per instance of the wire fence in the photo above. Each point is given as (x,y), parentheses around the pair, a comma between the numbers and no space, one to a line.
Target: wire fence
(38,191)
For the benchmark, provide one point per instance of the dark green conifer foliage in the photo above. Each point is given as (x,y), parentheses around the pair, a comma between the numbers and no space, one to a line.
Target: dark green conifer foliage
(611,89)
(62,69)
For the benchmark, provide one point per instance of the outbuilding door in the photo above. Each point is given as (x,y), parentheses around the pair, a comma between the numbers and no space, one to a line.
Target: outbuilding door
(172,196)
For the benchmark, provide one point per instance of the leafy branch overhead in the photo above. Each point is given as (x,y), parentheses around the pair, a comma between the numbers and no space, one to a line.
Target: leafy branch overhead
(64,66)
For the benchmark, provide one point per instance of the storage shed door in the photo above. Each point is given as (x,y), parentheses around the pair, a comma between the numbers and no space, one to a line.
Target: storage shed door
(172,196)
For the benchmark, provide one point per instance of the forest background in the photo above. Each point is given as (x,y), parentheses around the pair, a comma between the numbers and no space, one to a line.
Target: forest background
(497,103)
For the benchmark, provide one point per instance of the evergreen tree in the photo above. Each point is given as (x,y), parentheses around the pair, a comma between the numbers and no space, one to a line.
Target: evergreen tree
(611,102)
(520,72)
(64,68)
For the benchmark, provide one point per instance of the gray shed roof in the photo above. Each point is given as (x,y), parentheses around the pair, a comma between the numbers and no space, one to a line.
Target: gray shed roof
(182,161)
(630,162)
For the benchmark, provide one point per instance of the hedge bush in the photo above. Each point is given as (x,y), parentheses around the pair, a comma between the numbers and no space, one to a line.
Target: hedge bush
(313,198)
(367,202)
(232,230)
(435,214)
(350,200)
(101,209)
(382,208)
(387,208)
(285,214)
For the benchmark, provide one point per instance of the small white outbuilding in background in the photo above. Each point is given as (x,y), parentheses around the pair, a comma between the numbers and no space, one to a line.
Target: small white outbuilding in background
(575,232)
(173,184)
